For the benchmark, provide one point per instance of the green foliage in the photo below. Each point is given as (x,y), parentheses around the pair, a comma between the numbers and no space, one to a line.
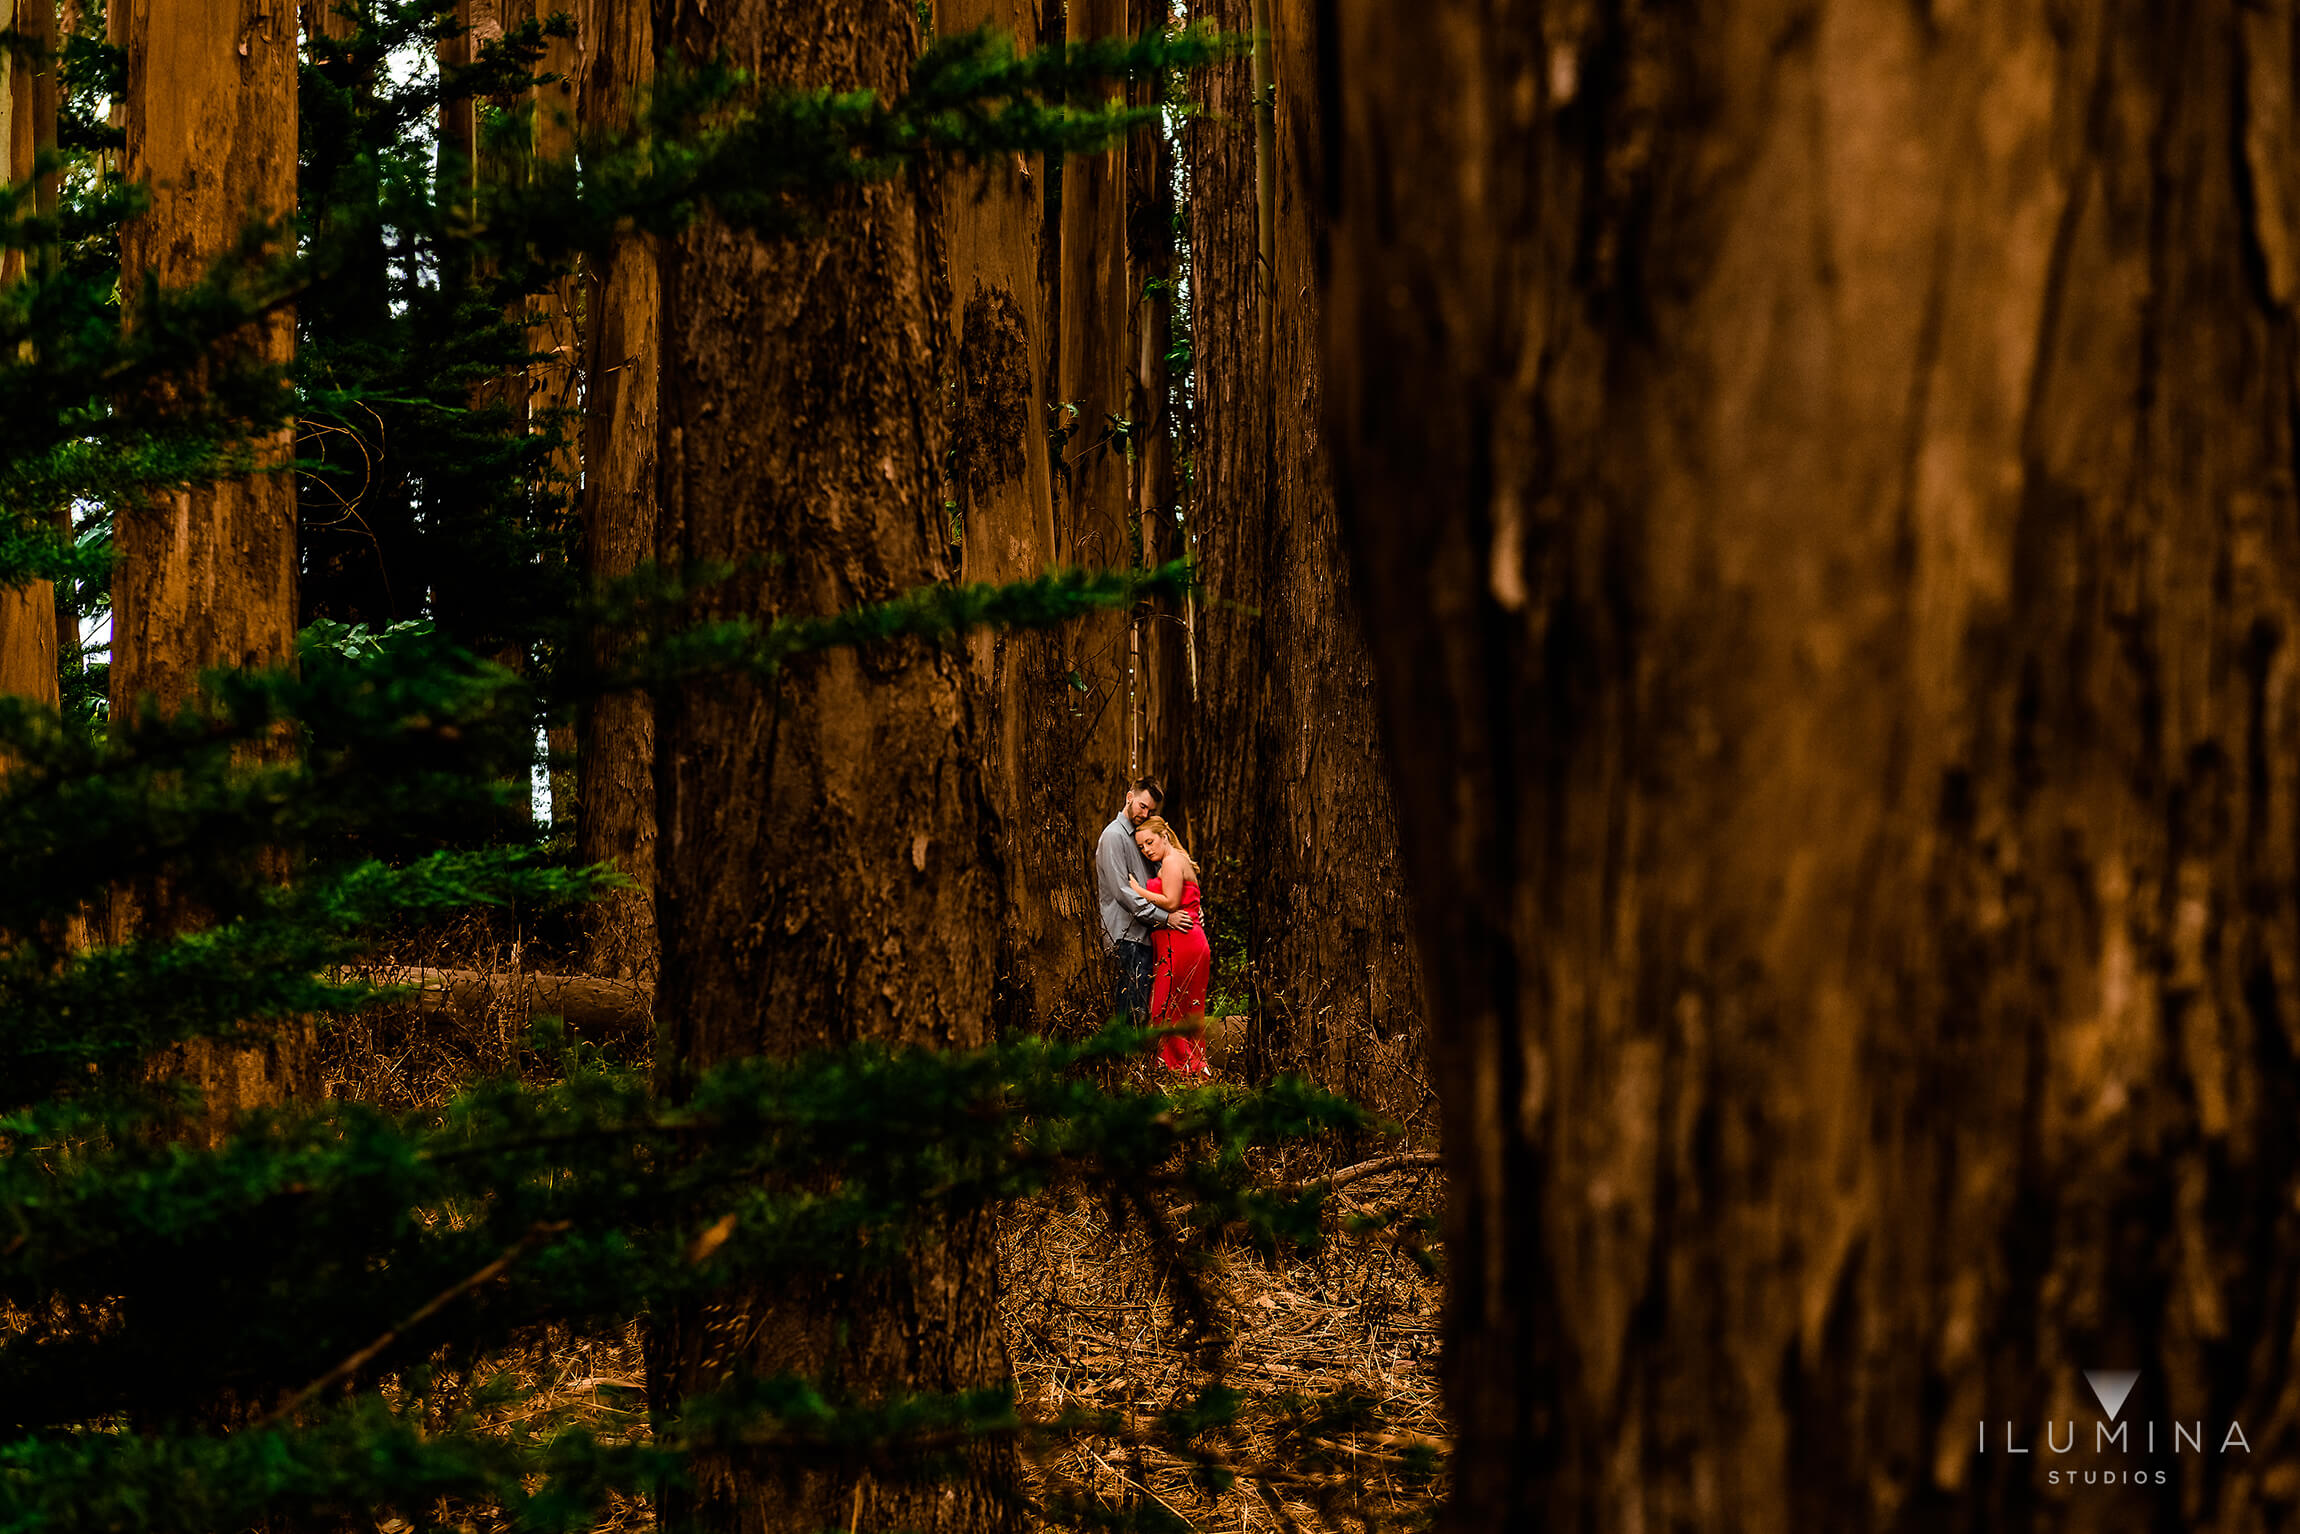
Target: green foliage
(426,486)
(772,160)
(679,648)
(312,1229)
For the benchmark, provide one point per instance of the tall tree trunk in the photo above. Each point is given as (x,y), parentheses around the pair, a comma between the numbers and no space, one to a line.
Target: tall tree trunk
(16,115)
(1096,521)
(36,619)
(1298,815)
(1049,967)
(28,643)
(828,873)
(554,339)
(1231,467)
(39,21)
(1160,677)
(1823,480)
(326,18)
(614,757)
(551,316)
(458,161)
(206,577)
(47,31)
(27,613)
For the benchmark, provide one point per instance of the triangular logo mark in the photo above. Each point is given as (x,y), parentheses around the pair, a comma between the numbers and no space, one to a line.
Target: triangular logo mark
(2111,1386)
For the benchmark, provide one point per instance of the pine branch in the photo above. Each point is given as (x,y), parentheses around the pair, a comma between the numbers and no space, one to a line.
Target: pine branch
(673,653)
(537,1234)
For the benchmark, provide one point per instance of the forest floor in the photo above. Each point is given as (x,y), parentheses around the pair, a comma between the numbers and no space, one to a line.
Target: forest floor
(1337,1348)
(1349,1330)
(1089,1323)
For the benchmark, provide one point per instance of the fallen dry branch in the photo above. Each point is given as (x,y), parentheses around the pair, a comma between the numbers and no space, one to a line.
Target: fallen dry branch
(1401,1162)
(585,1001)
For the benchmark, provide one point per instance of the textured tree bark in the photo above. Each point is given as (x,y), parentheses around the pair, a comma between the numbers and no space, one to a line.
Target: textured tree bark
(614,757)
(43,100)
(552,331)
(205,578)
(39,22)
(1049,971)
(1096,522)
(28,643)
(325,18)
(1822,480)
(497,162)
(47,29)
(1294,797)
(1230,310)
(1157,665)
(828,868)
(16,115)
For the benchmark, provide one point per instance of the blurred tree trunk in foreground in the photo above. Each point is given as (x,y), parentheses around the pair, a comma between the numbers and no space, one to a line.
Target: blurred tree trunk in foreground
(616,733)
(1292,797)
(1822,483)
(206,578)
(827,873)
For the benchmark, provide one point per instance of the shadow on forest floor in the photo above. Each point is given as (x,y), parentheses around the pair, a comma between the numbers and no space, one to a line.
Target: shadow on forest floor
(1089,1323)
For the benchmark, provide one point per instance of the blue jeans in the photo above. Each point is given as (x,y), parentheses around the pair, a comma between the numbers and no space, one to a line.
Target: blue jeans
(1132,969)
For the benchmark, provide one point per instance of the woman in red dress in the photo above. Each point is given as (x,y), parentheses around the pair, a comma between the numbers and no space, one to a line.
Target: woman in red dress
(1185,963)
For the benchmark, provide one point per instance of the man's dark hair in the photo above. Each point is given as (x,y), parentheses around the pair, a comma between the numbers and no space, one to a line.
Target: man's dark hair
(1149,786)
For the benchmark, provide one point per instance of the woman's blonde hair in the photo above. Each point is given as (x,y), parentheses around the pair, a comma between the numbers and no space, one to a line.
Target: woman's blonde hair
(1158,824)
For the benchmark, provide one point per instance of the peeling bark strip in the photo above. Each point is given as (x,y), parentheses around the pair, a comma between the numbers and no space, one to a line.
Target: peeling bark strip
(827,867)
(1823,480)
(1294,797)
(206,578)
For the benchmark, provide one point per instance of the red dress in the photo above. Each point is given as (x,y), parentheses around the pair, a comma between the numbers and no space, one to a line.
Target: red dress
(1185,964)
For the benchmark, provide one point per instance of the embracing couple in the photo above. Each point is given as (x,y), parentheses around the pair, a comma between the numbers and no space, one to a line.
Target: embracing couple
(1154,927)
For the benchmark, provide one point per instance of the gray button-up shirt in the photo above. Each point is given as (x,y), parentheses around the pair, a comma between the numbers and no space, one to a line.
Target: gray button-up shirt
(1126,916)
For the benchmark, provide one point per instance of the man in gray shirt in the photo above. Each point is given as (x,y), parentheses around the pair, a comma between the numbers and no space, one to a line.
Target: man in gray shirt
(1126,917)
